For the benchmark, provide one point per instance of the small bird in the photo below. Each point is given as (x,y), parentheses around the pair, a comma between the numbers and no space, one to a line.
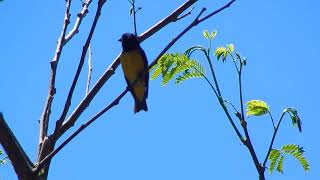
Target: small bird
(134,62)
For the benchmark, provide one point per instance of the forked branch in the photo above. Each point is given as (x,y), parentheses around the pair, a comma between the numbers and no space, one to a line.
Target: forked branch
(194,23)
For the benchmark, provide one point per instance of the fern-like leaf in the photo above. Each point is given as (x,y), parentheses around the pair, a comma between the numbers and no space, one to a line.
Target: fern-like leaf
(188,75)
(280,164)
(171,65)
(296,121)
(297,152)
(274,158)
(277,157)
(198,67)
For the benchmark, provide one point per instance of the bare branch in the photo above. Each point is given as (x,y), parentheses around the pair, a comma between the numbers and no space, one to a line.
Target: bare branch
(20,161)
(217,11)
(186,14)
(89,69)
(81,62)
(77,24)
(111,69)
(133,10)
(54,63)
(116,100)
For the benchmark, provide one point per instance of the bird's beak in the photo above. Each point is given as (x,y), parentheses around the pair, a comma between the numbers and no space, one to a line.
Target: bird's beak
(120,39)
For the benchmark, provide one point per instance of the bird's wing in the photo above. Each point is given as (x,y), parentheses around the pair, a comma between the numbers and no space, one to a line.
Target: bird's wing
(145,61)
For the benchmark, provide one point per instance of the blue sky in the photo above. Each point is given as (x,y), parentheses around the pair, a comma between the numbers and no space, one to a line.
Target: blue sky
(185,134)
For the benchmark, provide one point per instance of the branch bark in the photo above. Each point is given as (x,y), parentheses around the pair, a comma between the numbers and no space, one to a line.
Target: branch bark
(44,120)
(20,161)
(77,24)
(89,70)
(81,62)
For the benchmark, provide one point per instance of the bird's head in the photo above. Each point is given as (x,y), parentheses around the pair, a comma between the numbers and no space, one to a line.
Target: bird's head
(129,42)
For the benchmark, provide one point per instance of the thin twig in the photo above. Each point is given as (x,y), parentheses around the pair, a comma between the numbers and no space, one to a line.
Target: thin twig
(116,100)
(44,120)
(240,91)
(111,69)
(81,62)
(217,11)
(169,19)
(186,14)
(218,94)
(272,120)
(233,107)
(89,69)
(134,16)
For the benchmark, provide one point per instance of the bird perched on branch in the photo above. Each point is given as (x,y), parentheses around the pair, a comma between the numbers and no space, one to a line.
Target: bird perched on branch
(134,65)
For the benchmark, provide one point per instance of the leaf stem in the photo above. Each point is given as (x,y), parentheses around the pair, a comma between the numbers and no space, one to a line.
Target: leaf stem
(134,16)
(272,140)
(213,75)
(274,126)
(240,91)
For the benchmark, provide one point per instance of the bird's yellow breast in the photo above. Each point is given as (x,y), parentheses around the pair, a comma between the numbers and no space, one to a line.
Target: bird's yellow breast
(132,64)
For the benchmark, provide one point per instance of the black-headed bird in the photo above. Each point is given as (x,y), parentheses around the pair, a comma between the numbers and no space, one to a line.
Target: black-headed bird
(134,64)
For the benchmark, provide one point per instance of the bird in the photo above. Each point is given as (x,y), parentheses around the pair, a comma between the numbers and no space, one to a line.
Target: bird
(134,64)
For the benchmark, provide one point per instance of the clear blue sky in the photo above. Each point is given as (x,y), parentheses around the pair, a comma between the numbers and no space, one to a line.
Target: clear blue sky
(185,134)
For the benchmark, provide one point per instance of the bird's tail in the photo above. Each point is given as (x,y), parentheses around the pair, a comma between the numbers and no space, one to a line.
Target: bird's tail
(138,106)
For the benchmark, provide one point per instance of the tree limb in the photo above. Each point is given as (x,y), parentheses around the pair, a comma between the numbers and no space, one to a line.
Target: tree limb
(81,62)
(44,120)
(20,161)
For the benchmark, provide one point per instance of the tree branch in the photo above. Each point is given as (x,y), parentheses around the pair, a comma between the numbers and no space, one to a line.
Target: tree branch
(89,69)
(116,100)
(20,161)
(81,62)
(44,120)
(111,69)
(77,24)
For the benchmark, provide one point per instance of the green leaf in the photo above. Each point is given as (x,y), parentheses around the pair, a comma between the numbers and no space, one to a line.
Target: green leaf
(277,157)
(273,157)
(297,152)
(213,34)
(178,66)
(206,34)
(280,164)
(230,48)
(188,75)
(171,65)
(296,121)
(257,108)
(221,52)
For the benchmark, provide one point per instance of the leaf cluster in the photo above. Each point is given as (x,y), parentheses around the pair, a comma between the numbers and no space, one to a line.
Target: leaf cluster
(180,65)
(277,157)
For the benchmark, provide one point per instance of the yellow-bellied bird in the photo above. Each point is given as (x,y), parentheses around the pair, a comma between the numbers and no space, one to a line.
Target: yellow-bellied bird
(134,62)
